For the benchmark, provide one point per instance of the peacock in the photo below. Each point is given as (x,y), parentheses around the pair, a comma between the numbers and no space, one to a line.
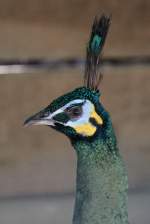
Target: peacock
(101,180)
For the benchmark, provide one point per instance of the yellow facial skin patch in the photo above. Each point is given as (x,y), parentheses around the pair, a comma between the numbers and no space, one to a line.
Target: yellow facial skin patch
(87,129)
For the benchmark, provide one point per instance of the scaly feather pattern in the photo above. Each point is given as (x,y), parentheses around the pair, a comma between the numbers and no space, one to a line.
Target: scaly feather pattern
(100,27)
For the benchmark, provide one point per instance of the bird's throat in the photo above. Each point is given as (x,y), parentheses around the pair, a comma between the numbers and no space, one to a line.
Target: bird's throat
(101,191)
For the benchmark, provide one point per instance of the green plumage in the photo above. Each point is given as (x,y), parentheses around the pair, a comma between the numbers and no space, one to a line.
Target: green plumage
(78,93)
(101,192)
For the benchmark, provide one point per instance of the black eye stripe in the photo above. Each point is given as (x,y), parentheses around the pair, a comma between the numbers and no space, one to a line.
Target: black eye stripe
(61,117)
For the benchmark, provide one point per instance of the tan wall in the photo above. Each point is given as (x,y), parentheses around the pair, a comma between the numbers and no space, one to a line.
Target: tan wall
(38,159)
(58,28)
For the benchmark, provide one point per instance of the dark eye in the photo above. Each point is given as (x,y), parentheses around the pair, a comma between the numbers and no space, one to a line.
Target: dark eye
(74,112)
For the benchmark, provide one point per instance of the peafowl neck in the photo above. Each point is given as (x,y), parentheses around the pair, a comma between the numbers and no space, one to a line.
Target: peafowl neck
(101,191)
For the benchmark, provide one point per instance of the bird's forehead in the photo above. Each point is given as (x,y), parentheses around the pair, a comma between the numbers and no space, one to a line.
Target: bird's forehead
(79,94)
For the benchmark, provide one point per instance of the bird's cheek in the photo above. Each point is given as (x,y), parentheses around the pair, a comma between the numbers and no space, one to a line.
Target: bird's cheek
(61,118)
(86,129)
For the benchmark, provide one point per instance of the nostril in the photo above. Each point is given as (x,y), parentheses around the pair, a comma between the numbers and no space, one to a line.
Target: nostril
(43,114)
(46,114)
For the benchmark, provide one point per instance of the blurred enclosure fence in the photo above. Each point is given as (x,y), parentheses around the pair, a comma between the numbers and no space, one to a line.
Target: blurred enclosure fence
(37,65)
(39,161)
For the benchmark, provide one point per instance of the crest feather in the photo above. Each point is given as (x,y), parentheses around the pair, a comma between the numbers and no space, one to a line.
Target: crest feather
(100,27)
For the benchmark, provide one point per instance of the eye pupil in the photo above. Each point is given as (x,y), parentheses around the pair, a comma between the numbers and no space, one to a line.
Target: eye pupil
(75,112)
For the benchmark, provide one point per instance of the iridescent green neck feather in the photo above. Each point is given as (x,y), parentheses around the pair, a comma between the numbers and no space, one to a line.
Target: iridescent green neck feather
(101,192)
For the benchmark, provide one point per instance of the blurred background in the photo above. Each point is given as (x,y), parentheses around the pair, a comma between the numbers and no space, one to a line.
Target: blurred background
(37,165)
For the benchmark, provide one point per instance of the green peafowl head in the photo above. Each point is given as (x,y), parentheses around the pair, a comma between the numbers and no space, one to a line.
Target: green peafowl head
(79,113)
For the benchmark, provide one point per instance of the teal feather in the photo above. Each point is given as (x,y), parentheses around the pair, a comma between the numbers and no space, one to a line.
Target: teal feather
(95,46)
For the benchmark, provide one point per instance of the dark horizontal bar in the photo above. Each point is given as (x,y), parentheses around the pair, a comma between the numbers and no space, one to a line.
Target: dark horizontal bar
(31,65)
(127,61)
(113,61)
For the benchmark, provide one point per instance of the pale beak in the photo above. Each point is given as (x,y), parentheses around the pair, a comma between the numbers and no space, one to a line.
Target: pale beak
(40,118)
